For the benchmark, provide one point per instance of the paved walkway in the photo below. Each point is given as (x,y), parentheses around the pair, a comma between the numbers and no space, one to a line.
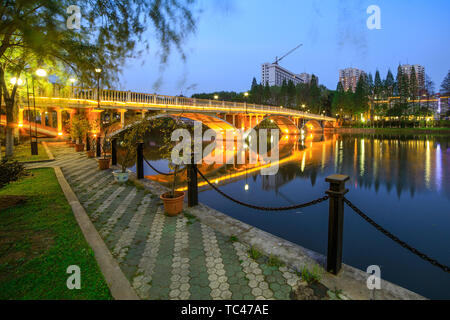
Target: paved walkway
(165,257)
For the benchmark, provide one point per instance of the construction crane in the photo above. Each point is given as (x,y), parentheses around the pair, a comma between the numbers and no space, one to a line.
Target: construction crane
(278,60)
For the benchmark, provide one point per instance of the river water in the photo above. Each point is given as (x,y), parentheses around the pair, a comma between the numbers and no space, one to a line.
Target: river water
(401,182)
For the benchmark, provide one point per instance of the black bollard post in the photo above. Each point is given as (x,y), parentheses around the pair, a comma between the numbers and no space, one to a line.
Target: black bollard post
(88,143)
(336,221)
(140,160)
(114,151)
(192,183)
(99,150)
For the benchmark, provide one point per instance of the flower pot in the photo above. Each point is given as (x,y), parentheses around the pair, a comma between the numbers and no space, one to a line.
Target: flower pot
(79,147)
(103,164)
(120,177)
(173,206)
(90,153)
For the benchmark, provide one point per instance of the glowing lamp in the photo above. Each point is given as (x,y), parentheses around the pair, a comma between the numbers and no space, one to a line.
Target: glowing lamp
(60,133)
(20,125)
(246,187)
(41,72)
(15,81)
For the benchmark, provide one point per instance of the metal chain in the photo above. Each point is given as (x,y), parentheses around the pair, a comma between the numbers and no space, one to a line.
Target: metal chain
(303,205)
(157,171)
(395,239)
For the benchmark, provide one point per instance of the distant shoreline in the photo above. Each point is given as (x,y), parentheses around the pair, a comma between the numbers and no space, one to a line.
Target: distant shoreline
(440,131)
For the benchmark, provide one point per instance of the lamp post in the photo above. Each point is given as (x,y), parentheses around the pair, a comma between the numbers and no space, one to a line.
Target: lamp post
(72,81)
(98,71)
(34,144)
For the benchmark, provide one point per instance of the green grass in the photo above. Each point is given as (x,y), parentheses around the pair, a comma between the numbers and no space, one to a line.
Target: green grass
(275,262)
(254,253)
(313,275)
(22,152)
(39,240)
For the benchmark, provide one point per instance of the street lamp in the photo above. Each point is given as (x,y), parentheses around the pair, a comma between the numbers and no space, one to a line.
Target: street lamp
(72,81)
(98,71)
(15,81)
(34,144)
(245,94)
(216,97)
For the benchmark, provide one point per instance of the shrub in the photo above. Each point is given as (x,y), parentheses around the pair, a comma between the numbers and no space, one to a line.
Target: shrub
(11,171)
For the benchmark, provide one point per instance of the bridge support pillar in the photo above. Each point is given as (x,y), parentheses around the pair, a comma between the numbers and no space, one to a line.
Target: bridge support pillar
(335,221)
(122,117)
(59,121)
(21,118)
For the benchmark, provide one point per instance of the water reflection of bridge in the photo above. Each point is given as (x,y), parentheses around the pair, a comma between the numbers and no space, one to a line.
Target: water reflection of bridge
(404,164)
(292,149)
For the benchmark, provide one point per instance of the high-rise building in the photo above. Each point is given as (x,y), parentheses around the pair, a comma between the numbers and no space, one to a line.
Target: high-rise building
(420,73)
(349,78)
(274,75)
(306,77)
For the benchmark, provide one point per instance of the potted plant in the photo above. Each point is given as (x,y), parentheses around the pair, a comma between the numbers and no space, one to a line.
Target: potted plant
(128,142)
(104,160)
(173,200)
(79,127)
(91,152)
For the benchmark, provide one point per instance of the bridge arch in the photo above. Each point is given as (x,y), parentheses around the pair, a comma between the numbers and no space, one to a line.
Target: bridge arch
(286,125)
(313,125)
(212,122)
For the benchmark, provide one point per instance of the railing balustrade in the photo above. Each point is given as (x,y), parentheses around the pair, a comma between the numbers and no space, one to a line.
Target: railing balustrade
(106,95)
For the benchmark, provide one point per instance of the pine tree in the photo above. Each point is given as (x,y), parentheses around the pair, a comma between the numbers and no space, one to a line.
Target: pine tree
(445,86)
(267,95)
(283,93)
(361,99)
(291,94)
(370,84)
(389,84)
(378,85)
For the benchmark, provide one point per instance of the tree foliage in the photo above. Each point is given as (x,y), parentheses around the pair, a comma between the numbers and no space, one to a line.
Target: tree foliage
(35,34)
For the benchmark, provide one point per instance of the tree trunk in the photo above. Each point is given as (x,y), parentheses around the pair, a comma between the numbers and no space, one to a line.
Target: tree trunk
(10,125)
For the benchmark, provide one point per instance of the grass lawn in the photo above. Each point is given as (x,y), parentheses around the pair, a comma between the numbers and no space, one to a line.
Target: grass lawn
(39,240)
(22,152)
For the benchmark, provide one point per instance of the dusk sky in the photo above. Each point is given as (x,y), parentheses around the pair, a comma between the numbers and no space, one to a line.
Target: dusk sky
(234,38)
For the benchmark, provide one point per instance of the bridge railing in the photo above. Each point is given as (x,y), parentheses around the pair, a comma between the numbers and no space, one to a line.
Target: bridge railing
(106,95)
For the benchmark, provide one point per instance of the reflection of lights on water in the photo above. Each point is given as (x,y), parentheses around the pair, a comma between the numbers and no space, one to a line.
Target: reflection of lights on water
(428,165)
(303,161)
(246,187)
(362,158)
(438,167)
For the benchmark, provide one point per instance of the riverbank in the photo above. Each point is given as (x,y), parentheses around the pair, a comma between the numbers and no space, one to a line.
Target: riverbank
(396,131)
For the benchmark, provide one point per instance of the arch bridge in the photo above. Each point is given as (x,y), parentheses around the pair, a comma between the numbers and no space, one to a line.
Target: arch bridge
(53,110)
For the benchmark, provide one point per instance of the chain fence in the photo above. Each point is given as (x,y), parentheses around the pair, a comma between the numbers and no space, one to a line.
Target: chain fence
(157,171)
(252,206)
(395,239)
